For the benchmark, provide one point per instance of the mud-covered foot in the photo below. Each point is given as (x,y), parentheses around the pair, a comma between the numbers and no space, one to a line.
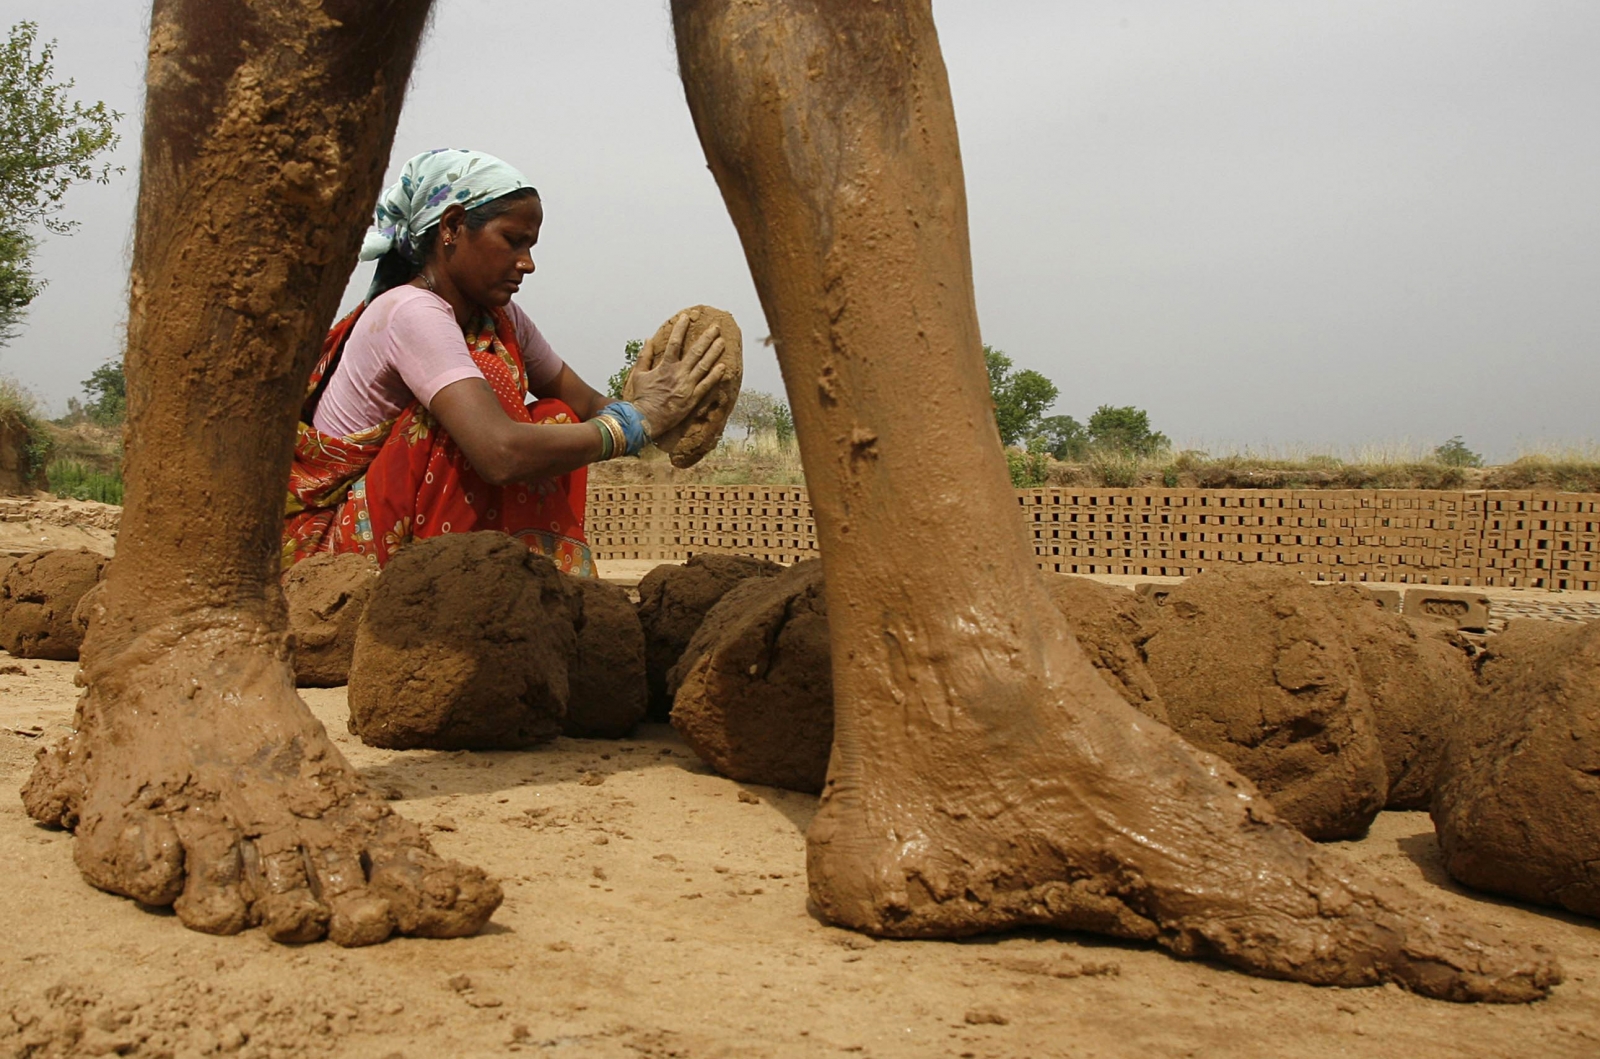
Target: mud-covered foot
(1082,814)
(197,778)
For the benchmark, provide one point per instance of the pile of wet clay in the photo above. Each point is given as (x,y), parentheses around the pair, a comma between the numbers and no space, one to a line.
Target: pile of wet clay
(688,442)
(327,595)
(1517,809)
(1255,666)
(469,641)
(1111,625)
(754,689)
(38,597)
(674,600)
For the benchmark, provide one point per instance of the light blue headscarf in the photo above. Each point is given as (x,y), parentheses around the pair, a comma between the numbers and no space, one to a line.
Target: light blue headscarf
(429,184)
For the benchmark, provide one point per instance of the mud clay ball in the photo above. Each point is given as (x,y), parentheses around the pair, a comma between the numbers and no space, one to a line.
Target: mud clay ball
(326,595)
(37,598)
(1517,809)
(607,693)
(1418,678)
(698,434)
(673,600)
(464,644)
(87,610)
(757,701)
(1109,624)
(1254,666)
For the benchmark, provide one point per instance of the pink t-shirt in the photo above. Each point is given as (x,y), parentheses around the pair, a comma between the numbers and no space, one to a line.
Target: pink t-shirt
(408,344)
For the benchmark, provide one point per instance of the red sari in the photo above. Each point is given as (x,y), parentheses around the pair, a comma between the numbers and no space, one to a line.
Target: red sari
(376,490)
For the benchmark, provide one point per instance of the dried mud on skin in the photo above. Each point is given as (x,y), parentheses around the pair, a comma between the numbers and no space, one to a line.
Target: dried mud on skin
(37,598)
(1254,666)
(465,644)
(607,693)
(1517,810)
(326,595)
(1110,623)
(689,441)
(755,699)
(1418,678)
(674,600)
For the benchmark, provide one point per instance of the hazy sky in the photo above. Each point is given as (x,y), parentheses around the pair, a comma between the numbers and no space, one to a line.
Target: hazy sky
(1269,222)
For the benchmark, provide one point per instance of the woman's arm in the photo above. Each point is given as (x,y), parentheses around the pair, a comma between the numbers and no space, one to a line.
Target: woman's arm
(578,395)
(503,450)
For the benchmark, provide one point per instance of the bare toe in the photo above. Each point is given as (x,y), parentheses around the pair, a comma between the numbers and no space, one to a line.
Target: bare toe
(429,896)
(134,854)
(212,900)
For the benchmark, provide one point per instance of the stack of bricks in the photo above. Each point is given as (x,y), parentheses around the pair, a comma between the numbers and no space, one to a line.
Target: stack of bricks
(1513,539)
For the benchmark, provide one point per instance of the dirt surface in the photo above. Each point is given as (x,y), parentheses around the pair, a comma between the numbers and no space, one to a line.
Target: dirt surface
(755,699)
(651,912)
(674,600)
(1518,805)
(37,598)
(465,643)
(1254,666)
(41,521)
(688,442)
(606,681)
(327,595)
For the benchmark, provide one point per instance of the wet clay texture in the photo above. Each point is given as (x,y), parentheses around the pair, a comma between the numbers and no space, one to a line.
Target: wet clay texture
(1418,679)
(673,600)
(606,680)
(1110,624)
(37,598)
(465,644)
(326,595)
(984,777)
(1517,809)
(699,433)
(755,695)
(88,609)
(1254,666)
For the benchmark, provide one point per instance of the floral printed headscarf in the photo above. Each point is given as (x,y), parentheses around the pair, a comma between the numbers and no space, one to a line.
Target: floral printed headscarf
(429,184)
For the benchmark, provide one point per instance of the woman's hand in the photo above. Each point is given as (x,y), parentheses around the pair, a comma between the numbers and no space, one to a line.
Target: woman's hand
(668,384)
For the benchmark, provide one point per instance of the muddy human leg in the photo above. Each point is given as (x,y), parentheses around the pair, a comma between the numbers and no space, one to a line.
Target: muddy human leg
(196,778)
(982,776)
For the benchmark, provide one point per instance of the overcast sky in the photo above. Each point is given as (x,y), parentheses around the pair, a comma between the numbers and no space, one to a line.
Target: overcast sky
(1285,223)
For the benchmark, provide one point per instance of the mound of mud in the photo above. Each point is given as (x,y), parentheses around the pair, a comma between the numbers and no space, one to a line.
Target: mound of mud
(689,441)
(607,695)
(1254,665)
(87,610)
(326,596)
(464,644)
(1110,623)
(756,702)
(1517,809)
(673,600)
(1418,678)
(37,598)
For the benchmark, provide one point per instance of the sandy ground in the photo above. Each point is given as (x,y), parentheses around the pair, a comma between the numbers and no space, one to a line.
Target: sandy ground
(654,909)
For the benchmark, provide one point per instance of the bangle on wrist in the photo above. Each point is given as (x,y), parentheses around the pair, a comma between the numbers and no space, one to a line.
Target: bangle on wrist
(607,443)
(634,434)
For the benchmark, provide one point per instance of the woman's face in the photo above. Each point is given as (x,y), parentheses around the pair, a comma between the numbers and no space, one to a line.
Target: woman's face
(487,265)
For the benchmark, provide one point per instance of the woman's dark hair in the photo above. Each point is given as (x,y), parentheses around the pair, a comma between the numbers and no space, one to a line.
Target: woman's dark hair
(395,268)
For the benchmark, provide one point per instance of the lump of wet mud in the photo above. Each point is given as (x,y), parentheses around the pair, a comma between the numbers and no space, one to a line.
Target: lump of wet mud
(87,610)
(1254,665)
(673,600)
(608,694)
(1418,678)
(37,598)
(326,595)
(464,645)
(699,433)
(1517,807)
(756,701)
(1110,623)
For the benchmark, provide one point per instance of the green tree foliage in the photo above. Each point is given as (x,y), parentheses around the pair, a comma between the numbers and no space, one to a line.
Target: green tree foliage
(1125,429)
(756,412)
(1020,397)
(48,142)
(619,379)
(1454,453)
(783,423)
(1063,437)
(107,390)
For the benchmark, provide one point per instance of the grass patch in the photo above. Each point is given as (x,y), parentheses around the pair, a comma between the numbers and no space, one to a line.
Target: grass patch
(20,419)
(78,481)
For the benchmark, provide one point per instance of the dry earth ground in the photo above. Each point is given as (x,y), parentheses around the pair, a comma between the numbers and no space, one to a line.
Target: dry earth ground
(655,909)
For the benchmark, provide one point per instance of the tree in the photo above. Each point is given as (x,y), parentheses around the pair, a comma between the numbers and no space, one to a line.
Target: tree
(619,379)
(107,390)
(783,423)
(47,143)
(1064,437)
(755,411)
(1020,398)
(1125,429)
(1454,453)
